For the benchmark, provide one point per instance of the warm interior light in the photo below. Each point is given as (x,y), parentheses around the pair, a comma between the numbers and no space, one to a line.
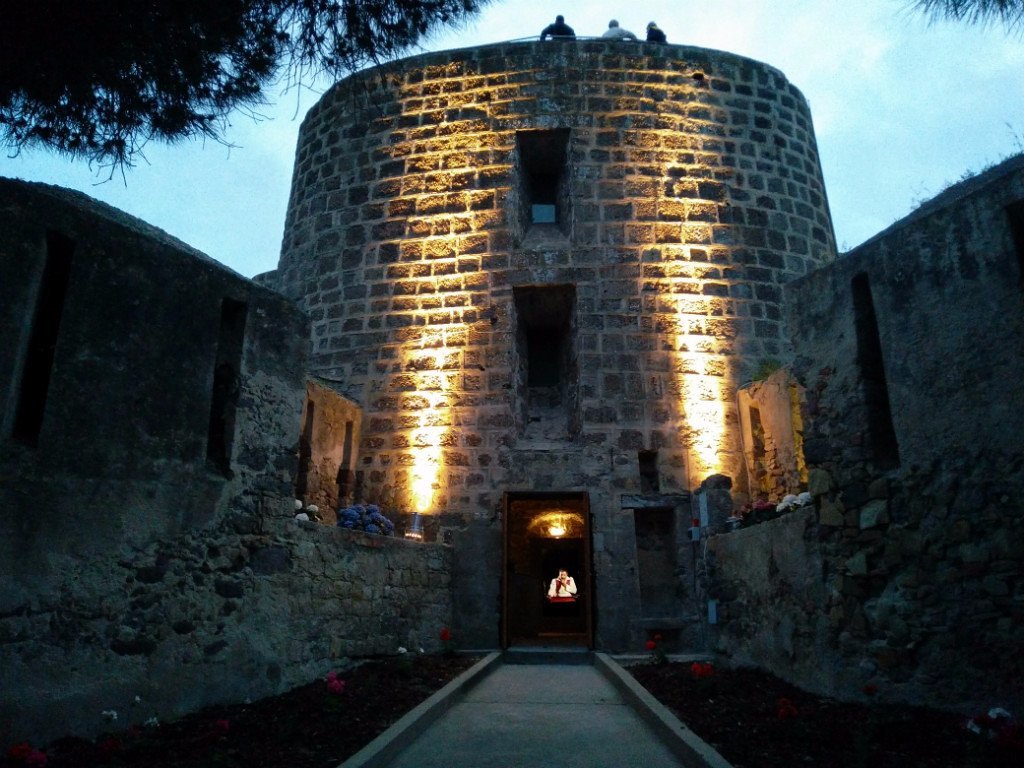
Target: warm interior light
(556,524)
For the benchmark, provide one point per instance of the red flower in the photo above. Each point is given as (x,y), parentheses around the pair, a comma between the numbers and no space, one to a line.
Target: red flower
(222,725)
(657,638)
(20,752)
(700,670)
(650,645)
(786,709)
(446,635)
(870,689)
(336,686)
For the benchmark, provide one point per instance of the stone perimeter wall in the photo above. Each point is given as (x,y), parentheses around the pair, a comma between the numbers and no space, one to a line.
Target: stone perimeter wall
(129,564)
(911,577)
(247,609)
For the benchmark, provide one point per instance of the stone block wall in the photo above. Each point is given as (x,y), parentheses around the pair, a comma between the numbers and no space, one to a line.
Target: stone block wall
(695,193)
(122,451)
(913,574)
(245,609)
(689,191)
(135,561)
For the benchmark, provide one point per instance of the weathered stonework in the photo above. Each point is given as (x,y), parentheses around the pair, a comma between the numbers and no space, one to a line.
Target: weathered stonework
(668,266)
(328,444)
(147,546)
(216,615)
(910,573)
(689,192)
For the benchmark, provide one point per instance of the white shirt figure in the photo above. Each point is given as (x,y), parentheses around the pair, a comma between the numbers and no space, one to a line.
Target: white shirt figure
(563,586)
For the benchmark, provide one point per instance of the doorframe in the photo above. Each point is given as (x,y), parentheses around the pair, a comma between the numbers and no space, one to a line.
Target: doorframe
(507,499)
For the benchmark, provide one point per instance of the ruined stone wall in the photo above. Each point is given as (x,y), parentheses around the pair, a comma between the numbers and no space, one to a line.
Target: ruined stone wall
(242,610)
(773,437)
(689,192)
(121,454)
(328,447)
(910,573)
(131,563)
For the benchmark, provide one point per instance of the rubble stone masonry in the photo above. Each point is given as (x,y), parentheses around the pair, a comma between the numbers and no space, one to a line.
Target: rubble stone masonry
(910,573)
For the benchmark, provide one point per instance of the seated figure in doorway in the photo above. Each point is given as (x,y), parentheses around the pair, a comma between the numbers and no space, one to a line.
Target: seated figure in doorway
(562,587)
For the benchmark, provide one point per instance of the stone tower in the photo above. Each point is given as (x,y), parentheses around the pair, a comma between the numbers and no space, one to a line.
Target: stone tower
(542,270)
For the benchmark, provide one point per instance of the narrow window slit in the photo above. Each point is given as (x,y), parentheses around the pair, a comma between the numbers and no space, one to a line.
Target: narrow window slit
(226,385)
(37,367)
(881,433)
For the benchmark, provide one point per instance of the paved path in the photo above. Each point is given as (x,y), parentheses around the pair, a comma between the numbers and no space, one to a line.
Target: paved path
(539,716)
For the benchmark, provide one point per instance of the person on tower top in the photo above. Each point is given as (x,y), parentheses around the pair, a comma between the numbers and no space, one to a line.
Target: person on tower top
(615,32)
(559,30)
(654,34)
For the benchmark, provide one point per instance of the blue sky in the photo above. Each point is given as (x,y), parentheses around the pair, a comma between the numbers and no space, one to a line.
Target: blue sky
(902,108)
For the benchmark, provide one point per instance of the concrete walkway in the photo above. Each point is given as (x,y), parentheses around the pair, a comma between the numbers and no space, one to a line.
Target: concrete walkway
(539,716)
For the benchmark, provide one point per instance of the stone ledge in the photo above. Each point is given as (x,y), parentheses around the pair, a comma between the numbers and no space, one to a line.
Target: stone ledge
(382,749)
(692,751)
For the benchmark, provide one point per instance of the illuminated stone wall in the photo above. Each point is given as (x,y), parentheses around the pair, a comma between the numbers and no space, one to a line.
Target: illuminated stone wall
(689,192)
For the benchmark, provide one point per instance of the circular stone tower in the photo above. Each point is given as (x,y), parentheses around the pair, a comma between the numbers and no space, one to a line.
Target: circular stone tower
(545,267)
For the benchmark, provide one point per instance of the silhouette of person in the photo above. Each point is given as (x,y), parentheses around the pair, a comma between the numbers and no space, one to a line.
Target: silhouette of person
(654,34)
(558,30)
(615,32)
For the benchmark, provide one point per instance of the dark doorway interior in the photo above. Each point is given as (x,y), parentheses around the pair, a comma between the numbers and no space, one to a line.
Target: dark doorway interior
(546,533)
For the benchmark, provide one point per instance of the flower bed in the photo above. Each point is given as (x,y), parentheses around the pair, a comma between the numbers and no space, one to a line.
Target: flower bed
(756,720)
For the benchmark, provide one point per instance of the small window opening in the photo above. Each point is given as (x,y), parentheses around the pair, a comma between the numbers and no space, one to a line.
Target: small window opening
(1015,215)
(226,385)
(42,346)
(357,492)
(346,477)
(543,168)
(547,370)
(758,452)
(881,433)
(305,452)
(649,480)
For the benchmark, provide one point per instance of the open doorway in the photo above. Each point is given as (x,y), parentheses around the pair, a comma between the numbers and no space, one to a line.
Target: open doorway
(547,587)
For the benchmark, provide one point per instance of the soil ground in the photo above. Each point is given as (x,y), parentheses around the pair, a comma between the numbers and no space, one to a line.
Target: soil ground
(753,719)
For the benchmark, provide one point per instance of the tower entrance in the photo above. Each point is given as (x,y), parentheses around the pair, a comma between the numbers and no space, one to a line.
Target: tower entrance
(547,589)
